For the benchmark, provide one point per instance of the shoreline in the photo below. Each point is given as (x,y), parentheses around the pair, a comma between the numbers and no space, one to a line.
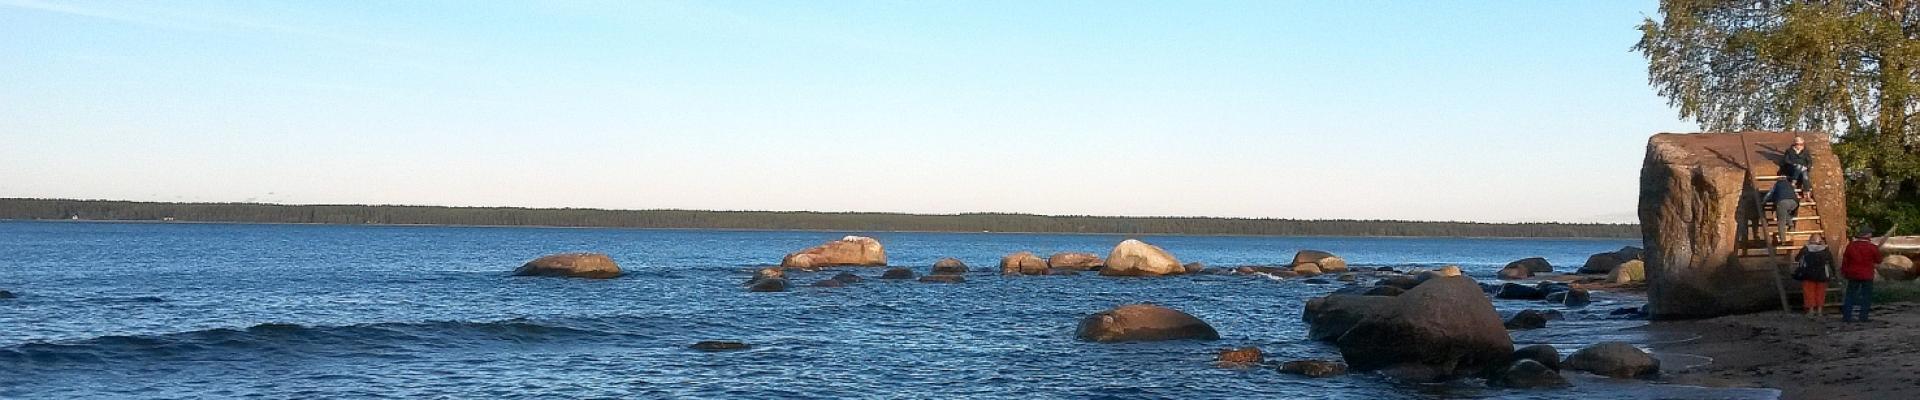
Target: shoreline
(147,221)
(1803,357)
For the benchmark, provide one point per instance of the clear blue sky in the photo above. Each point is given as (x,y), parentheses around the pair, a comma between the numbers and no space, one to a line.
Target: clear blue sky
(1484,111)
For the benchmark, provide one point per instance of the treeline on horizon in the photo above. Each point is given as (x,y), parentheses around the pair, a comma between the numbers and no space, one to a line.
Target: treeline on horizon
(62,209)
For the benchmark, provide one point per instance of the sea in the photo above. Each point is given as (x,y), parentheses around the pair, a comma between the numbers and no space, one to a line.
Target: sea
(106,310)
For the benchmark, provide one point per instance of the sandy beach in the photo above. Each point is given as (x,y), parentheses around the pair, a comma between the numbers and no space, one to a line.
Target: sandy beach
(1804,357)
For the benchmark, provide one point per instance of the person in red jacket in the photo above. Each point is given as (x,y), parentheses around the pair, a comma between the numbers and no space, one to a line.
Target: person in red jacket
(1861,258)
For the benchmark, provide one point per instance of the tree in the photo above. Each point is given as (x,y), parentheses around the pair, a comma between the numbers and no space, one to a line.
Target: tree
(1846,66)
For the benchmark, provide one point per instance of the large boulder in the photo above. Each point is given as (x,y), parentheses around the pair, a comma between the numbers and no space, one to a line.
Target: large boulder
(1601,263)
(1897,268)
(1331,316)
(1615,359)
(1695,198)
(1908,246)
(850,250)
(1443,329)
(1143,323)
(1075,261)
(1322,261)
(949,266)
(1533,265)
(576,265)
(1022,263)
(1136,258)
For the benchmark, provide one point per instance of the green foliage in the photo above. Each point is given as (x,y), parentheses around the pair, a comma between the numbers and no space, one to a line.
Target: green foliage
(1837,66)
(769,220)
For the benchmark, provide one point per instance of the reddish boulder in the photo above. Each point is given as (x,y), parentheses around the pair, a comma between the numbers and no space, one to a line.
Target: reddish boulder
(851,250)
(576,265)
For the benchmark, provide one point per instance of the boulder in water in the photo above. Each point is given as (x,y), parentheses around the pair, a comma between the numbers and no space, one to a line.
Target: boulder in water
(1695,198)
(1136,258)
(1545,354)
(949,266)
(1403,282)
(1325,262)
(1528,374)
(897,273)
(1515,291)
(6,294)
(767,273)
(1576,298)
(1308,269)
(1143,323)
(720,345)
(1313,368)
(768,285)
(1443,329)
(847,277)
(1526,319)
(1240,356)
(1331,316)
(848,251)
(1614,359)
(1514,272)
(576,265)
(1446,271)
(1074,261)
(1535,265)
(829,283)
(1194,268)
(1601,263)
(1022,263)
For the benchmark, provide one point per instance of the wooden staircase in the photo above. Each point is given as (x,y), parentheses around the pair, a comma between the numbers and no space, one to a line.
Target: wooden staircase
(1763,239)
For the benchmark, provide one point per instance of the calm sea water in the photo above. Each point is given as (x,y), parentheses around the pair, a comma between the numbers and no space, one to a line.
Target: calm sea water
(115,310)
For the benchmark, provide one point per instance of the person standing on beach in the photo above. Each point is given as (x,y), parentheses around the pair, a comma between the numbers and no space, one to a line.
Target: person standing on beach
(1860,259)
(1813,275)
(1798,165)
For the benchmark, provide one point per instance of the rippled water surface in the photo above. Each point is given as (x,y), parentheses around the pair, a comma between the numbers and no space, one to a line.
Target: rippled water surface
(116,310)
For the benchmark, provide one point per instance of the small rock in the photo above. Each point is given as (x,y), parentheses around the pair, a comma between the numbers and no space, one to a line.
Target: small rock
(830,283)
(1349,277)
(719,345)
(1545,354)
(1023,263)
(1535,265)
(1614,359)
(847,277)
(767,273)
(1314,368)
(949,266)
(897,273)
(1385,269)
(1244,355)
(1528,374)
(1195,268)
(1308,269)
(1515,291)
(768,285)
(6,294)
(1576,298)
(1400,281)
(1317,281)
(1526,319)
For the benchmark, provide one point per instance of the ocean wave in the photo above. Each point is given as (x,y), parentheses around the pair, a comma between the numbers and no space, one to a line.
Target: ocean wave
(280,340)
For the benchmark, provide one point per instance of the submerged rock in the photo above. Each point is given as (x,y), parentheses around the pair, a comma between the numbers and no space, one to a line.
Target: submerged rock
(1136,258)
(1314,368)
(949,266)
(943,278)
(1614,359)
(830,283)
(1194,268)
(6,294)
(719,345)
(1576,298)
(848,251)
(1240,356)
(768,285)
(767,273)
(847,277)
(897,273)
(576,265)
(1515,291)
(1143,322)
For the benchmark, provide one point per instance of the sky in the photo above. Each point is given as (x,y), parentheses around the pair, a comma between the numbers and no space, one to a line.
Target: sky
(1498,111)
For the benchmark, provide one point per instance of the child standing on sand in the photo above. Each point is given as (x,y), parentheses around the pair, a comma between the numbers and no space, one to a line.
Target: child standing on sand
(1812,275)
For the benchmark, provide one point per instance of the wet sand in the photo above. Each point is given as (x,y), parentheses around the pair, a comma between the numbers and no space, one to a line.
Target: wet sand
(1804,357)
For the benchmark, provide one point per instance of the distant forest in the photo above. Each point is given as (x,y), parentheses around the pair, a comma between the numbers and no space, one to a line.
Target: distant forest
(59,209)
